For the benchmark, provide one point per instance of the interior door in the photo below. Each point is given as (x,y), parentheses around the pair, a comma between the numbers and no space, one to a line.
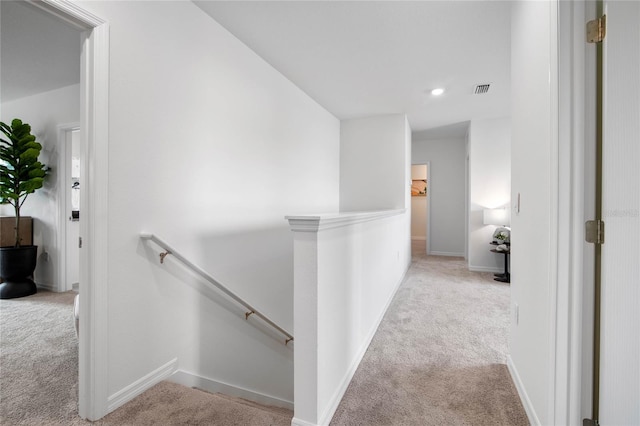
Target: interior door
(72,208)
(620,252)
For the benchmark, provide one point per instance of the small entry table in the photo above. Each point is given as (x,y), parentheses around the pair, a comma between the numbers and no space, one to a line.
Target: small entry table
(504,277)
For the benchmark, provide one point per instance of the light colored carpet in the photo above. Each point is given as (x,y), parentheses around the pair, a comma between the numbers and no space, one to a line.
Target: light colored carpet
(38,360)
(171,404)
(438,357)
(38,378)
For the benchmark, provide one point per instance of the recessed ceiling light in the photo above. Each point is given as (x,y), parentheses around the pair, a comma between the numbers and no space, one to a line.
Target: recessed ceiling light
(437,92)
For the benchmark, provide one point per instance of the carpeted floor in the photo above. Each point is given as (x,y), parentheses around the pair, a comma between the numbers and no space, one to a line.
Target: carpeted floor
(438,358)
(39,378)
(38,360)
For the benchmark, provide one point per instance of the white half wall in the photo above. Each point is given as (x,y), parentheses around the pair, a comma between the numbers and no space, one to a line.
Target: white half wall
(446,159)
(347,269)
(209,147)
(489,186)
(44,112)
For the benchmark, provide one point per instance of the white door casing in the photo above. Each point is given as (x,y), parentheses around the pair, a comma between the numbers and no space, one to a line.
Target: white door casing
(94,125)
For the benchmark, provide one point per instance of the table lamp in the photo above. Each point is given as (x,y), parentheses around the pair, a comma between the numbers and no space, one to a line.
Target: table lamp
(501,218)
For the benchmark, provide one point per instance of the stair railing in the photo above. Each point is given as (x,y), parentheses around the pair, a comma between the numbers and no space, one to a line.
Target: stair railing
(168,250)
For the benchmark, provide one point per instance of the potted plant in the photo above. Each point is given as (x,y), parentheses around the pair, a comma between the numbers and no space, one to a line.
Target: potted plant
(21,174)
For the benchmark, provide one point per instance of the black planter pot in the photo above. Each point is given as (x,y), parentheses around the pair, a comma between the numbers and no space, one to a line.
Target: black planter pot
(16,269)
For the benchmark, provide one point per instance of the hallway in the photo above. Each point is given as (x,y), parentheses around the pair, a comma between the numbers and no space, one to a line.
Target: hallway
(438,358)
(439,355)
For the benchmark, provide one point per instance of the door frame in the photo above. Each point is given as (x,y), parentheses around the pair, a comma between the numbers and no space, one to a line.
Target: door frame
(94,127)
(63,150)
(571,314)
(428,209)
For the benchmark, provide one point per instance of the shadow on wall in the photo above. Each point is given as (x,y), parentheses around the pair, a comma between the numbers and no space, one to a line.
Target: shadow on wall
(227,348)
(255,264)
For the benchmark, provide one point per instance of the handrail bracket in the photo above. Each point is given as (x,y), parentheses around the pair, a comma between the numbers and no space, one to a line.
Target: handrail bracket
(248,314)
(163,255)
(286,342)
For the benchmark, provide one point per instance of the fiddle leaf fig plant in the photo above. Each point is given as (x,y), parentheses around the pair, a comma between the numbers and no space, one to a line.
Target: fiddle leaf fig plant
(21,173)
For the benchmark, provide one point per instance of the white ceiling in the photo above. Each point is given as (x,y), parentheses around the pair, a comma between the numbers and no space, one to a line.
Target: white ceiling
(362,58)
(38,52)
(356,58)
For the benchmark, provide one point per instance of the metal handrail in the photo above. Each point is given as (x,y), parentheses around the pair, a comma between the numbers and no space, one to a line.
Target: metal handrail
(251,310)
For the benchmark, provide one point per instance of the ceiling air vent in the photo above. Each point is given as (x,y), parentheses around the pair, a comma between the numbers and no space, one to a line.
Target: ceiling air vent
(481,88)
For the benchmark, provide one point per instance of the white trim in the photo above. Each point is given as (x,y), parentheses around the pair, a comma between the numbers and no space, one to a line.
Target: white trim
(125,395)
(524,398)
(93,386)
(429,191)
(576,102)
(63,130)
(186,378)
(69,12)
(297,422)
(447,253)
(321,222)
(486,269)
(467,196)
(48,287)
(93,401)
(334,402)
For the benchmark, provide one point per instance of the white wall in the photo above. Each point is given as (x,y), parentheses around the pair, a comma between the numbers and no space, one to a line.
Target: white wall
(374,172)
(209,147)
(489,186)
(531,59)
(44,112)
(446,158)
(375,167)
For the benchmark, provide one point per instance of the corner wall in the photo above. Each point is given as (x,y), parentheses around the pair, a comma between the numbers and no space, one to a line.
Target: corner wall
(374,173)
(375,169)
(489,186)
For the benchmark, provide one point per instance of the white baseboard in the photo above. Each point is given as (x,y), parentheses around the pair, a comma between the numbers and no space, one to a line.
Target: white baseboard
(298,422)
(186,378)
(48,287)
(446,253)
(526,402)
(495,270)
(144,383)
(332,406)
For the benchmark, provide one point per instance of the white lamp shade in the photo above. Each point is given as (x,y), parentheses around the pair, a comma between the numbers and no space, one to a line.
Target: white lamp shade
(498,217)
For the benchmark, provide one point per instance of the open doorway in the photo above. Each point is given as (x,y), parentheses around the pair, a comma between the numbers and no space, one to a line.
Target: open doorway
(420,205)
(90,34)
(69,162)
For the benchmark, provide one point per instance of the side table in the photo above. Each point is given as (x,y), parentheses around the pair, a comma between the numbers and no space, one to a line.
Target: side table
(504,277)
